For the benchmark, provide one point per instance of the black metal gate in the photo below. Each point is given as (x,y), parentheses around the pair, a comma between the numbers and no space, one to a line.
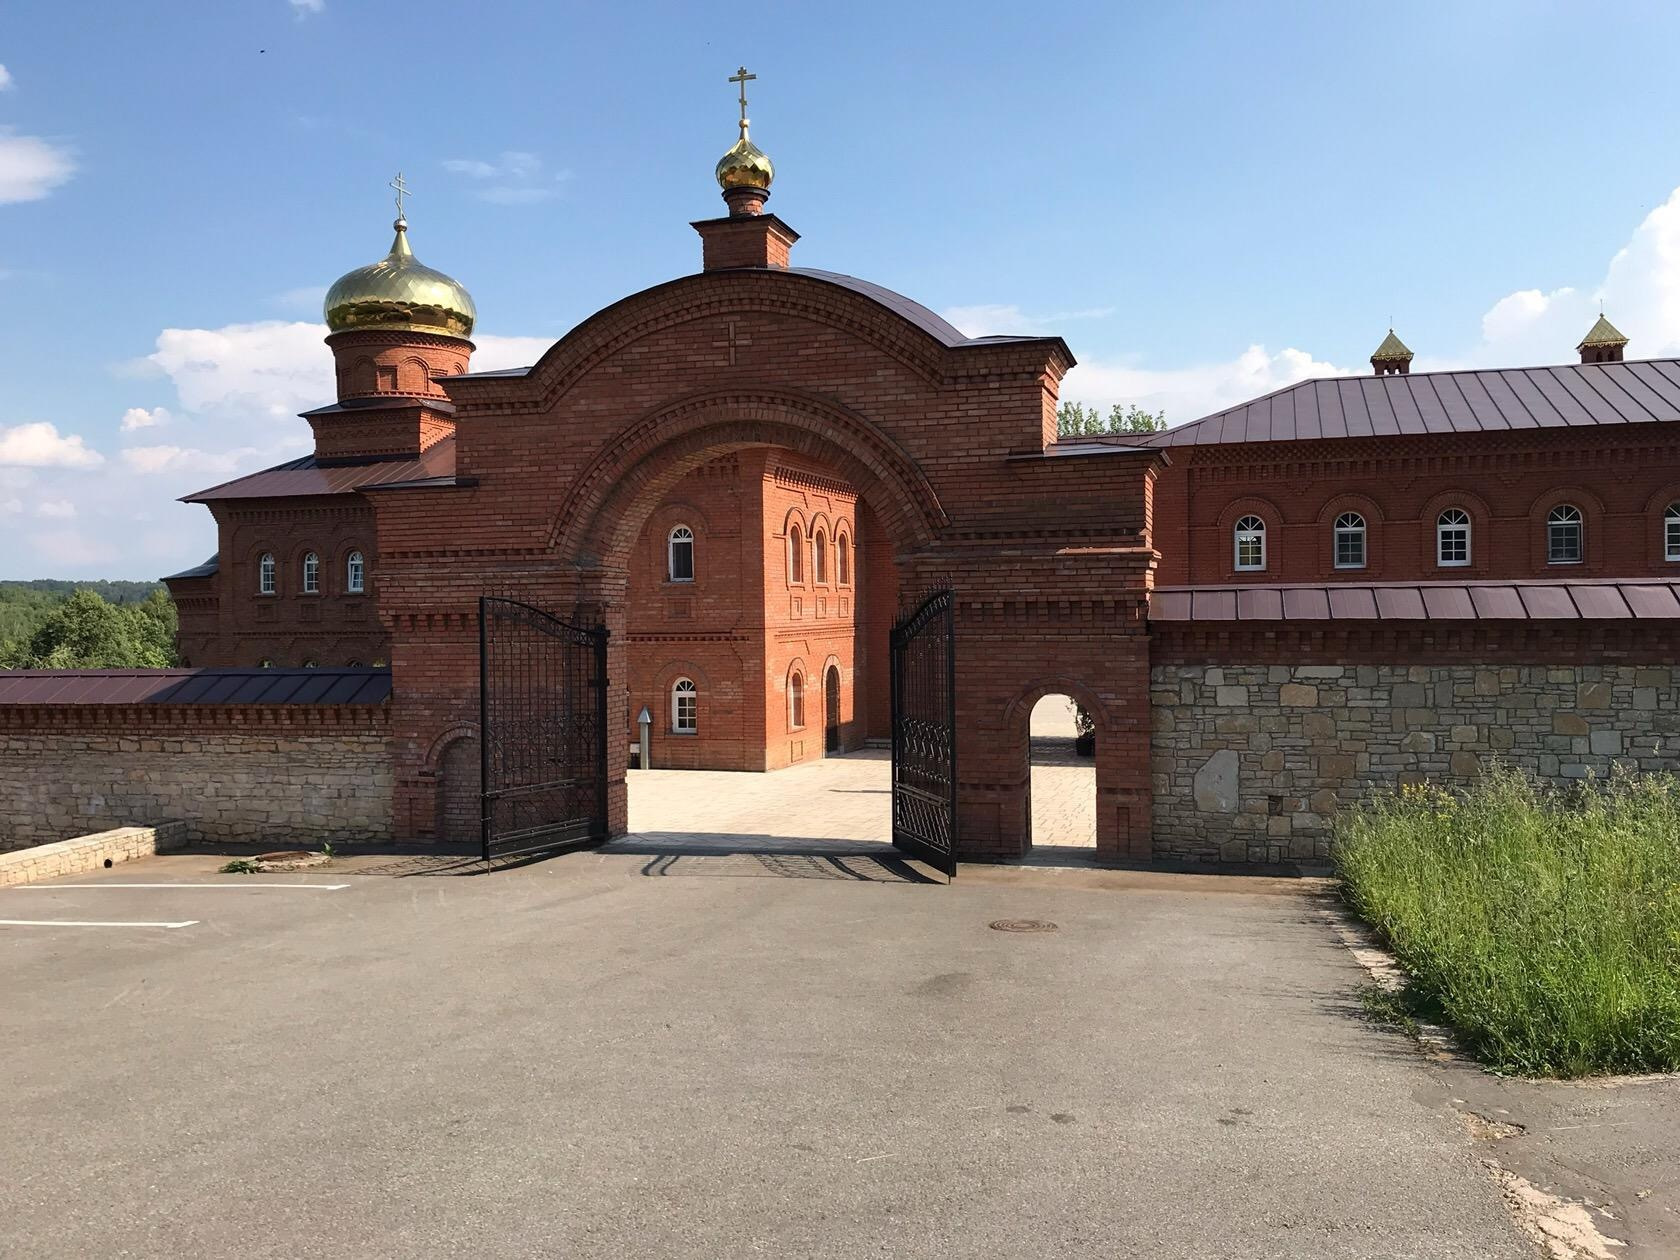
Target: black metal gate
(542,710)
(924,732)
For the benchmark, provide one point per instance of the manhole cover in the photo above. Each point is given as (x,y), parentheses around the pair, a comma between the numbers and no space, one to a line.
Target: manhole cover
(1022,925)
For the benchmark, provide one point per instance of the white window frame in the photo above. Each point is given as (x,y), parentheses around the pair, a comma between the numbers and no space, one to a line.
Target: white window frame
(1453,531)
(1565,516)
(311,573)
(796,700)
(796,556)
(1250,529)
(1349,525)
(355,573)
(685,707)
(1671,532)
(267,576)
(679,535)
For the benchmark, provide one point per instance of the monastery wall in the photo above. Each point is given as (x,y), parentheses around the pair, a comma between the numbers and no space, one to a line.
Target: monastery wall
(289,777)
(1252,759)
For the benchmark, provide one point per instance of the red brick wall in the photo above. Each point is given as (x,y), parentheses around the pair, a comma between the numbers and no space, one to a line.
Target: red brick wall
(1621,478)
(230,623)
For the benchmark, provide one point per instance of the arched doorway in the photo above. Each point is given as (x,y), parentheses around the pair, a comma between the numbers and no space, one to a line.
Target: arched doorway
(831,710)
(1061,754)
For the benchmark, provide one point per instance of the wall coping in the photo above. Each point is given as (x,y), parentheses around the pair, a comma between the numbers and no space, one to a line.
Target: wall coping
(90,852)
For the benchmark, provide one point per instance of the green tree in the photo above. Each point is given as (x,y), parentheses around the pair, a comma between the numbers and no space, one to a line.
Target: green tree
(1077,420)
(84,632)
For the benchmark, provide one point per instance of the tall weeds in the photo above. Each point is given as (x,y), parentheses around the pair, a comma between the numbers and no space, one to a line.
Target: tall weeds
(1543,925)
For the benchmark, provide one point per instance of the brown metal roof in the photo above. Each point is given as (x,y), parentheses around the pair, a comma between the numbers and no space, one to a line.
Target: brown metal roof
(195,686)
(1606,600)
(309,476)
(1484,401)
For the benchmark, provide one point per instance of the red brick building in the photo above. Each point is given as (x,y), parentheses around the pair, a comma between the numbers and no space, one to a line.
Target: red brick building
(745,473)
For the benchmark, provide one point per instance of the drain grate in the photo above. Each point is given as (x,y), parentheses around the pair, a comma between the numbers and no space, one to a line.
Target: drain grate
(1023,925)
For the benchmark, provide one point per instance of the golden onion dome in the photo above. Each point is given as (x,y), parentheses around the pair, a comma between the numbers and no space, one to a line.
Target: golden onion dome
(398,294)
(744,166)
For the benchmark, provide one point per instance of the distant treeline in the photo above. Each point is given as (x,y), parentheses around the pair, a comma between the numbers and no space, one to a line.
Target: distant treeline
(51,624)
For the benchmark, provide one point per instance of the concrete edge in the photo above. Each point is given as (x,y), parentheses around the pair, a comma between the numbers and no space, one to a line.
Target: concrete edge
(87,853)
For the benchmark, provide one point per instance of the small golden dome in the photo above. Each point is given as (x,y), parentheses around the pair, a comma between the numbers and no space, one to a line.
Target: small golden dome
(744,166)
(398,294)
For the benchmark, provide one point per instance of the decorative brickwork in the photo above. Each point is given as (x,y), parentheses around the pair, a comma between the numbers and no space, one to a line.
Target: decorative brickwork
(1252,761)
(290,776)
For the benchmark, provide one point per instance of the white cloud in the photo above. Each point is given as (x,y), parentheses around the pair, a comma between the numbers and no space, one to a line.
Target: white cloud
(179,459)
(1007,320)
(7,83)
(496,353)
(70,548)
(31,167)
(40,445)
(141,418)
(305,298)
(514,178)
(56,509)
(11,507)
(1188,393)
(303,8)
(270,369)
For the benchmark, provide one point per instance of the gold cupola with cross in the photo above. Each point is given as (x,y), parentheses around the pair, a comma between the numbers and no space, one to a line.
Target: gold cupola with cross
(398,293)
(744,173)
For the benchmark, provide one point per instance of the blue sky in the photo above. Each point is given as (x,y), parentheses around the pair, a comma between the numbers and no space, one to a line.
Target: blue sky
(1207,201)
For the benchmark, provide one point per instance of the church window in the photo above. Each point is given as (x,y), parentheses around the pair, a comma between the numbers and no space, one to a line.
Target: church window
(679,554)
(796,700)
(310,665)
(266,663)
(1350,541)
(312,574)
(1671,532)
(1251,543)
(843,559)
(355,573)
(819,557)
(1452,538)
(685,702)
(1564,535)
(796,555)
(265,574)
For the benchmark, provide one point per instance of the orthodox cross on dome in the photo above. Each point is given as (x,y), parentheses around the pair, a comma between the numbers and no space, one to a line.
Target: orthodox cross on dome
(403,190)
(743,78)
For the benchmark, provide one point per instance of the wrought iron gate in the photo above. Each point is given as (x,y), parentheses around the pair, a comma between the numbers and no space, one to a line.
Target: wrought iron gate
(542,712)
(924,732)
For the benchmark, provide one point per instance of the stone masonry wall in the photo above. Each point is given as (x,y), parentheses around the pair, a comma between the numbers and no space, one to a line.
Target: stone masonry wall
(278,783)
(1251,762)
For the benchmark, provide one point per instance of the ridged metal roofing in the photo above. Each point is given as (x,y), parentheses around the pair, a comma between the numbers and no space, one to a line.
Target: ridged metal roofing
(1570,395)
(208,569)
(309,476)
(195,686)
(1587,600)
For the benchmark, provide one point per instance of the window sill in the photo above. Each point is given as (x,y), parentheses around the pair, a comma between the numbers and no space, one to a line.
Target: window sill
(671,581)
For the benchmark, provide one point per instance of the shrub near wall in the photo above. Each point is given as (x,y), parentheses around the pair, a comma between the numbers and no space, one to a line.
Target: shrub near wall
(1544,926)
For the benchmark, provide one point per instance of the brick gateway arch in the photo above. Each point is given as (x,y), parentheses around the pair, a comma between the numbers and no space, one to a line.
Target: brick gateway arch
(949,439)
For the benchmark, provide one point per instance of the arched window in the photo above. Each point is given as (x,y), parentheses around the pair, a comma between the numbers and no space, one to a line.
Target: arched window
(310,665)
(679,554)
(685,700)
(355,573)
(843,559)
(1564,535)
(265,574)
(1671,532)
(311,574)
(819,557)
(1251,543)
(796,554)
(1350,541)
(796,700)
(265,663)
(1452,538)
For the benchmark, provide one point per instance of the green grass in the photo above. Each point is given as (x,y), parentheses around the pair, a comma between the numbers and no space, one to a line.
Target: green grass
(1543,926)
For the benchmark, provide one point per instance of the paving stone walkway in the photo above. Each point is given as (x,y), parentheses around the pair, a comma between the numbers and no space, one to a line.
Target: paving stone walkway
(845,800)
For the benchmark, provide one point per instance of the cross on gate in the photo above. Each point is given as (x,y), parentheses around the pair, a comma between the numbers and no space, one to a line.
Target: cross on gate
(732,342)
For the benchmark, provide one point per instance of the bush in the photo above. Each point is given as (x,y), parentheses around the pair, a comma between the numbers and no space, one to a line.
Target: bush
(1544,926)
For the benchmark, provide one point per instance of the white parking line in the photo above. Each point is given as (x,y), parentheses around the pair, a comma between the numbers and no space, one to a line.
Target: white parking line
(83,923)
(288,887)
